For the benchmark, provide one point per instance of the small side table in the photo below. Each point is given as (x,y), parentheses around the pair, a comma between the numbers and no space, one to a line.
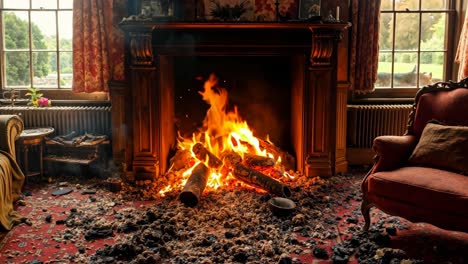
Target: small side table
(33,137)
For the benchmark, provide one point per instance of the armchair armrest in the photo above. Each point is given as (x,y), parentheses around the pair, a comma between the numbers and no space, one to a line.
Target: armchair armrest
(392,151)
(11,127)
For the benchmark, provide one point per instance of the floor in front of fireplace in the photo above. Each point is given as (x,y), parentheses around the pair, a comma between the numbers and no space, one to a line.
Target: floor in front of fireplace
(227,226)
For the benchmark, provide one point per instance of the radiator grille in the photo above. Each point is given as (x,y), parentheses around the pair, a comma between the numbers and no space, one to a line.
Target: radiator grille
(365,122)
(65,119)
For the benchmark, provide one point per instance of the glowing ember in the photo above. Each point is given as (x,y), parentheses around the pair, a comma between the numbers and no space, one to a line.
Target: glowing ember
(223,132)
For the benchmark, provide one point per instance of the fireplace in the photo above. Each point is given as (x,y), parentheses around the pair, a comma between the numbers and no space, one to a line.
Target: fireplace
(294,65)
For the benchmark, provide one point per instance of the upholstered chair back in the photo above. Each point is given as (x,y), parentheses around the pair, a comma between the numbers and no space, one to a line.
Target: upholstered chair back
(448,106)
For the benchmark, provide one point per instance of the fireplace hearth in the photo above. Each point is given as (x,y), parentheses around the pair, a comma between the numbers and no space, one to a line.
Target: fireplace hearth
(145,129)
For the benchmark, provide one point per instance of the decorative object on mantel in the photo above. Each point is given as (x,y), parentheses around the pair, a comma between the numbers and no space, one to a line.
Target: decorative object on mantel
(229,10)
(158,9)
(200,10)
(309,9)
(330,18)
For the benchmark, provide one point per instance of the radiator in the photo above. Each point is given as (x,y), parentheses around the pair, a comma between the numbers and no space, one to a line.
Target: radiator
(65,119)
(365,122)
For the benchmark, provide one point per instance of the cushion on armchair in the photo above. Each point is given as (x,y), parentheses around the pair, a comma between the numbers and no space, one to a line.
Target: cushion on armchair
(444,147)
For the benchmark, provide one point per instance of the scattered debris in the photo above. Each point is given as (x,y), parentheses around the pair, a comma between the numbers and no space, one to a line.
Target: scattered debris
(229,225)
(62,191)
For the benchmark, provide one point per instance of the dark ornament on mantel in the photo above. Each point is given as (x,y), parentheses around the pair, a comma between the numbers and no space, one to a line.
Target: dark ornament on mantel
(279,16)
(226,12)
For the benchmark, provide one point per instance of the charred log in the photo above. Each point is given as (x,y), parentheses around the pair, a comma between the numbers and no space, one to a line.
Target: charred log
(181,159)
(195,185)
(256,160)
(203,154)
(287,159)
(260,180)
(231,158)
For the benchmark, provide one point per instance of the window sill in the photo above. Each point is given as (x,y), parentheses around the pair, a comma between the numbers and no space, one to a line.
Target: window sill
(386,96)
(381,101)
(80,103)
(24,102)
(67,95)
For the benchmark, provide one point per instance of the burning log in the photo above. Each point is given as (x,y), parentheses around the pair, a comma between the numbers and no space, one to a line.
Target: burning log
(181,159)
(195,185)
(231,159)
(202,153)
(260,180)
(287,159)
(254,177)
(256,160)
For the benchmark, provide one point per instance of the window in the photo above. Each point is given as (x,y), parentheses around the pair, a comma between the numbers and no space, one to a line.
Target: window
(413,45)
(36,44)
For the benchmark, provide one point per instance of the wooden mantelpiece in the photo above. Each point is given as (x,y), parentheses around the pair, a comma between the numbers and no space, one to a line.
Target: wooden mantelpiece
(318,120)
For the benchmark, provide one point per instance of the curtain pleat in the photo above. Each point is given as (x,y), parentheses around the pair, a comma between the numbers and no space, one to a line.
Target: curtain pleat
(364,59)
(462,51)
(97,46)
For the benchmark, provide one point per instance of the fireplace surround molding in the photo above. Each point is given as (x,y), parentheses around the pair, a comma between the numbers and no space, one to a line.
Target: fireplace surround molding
(143,129)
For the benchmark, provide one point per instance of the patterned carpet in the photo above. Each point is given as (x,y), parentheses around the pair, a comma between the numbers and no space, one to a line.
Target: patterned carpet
(58,230)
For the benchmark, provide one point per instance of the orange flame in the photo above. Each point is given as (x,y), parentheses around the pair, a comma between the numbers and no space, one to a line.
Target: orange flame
(222,131)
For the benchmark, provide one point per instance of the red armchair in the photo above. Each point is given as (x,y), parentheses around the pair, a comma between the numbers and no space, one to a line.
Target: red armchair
(421,193)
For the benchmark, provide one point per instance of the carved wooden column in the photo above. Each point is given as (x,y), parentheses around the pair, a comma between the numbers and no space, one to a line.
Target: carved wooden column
(119,96)
(146,106)
(321,104)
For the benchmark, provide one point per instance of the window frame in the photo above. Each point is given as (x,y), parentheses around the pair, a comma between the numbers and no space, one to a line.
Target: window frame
(454,9)
(59,95)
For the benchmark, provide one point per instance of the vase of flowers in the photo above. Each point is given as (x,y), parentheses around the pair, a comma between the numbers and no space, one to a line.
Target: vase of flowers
(36,98)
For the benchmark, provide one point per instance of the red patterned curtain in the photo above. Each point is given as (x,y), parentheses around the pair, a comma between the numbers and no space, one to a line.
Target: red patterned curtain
(364,44)
(97,46)
(462,50)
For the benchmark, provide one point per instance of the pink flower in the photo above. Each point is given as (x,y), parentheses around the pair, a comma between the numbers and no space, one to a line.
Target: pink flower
(43,101)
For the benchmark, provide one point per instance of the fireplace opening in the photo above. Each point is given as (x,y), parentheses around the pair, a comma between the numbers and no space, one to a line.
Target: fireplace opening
(259,87)
(232,121)
(265,91)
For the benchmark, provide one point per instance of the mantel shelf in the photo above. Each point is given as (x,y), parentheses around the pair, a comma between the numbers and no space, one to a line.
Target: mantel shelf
(130,25)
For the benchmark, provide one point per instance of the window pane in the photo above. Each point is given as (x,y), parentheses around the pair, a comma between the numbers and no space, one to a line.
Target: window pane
(43,30)
(433,63)
(65,30)
(43,75)
(66,4)
(386,5)
(386,36)
(433,31)
(17,69)
(407,32)
(16,28)
(384,76)
(18,4)
(66,69)
(405,69)
(434,4)
(44,4)
(412,5)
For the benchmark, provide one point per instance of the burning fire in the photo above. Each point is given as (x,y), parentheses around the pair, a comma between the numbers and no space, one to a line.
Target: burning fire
(223,132)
